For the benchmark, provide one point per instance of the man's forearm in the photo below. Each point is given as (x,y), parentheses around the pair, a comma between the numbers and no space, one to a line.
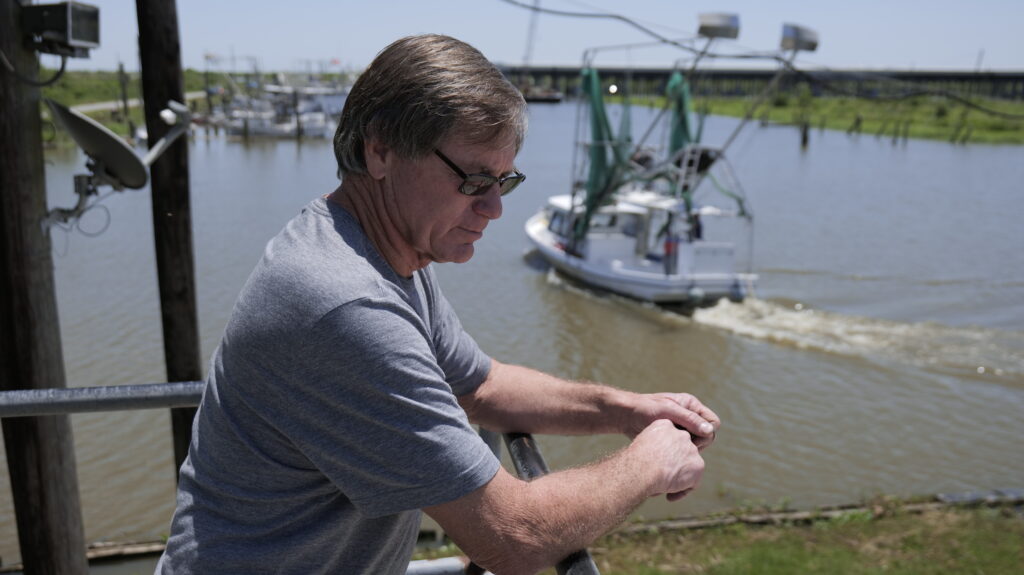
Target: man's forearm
(516,398)
(536,524)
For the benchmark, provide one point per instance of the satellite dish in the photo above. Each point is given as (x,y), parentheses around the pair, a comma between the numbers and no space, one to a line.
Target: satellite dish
(115,162)
(111,161)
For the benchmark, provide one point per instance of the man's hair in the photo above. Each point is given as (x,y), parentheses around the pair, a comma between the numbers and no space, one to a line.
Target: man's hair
(418,91)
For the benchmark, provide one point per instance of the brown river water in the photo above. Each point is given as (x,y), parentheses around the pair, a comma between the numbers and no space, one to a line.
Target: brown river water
(883,354)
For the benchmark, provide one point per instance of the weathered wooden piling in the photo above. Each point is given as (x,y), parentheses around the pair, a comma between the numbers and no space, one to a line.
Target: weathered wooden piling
(122,80)
(206,90)
(298,117)
(855,127)
(40,450)
(163,80)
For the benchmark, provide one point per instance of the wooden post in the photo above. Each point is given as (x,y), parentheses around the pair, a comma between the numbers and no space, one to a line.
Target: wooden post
(206,88)
(298,117)
(162,80)
(123,80)
(40,450)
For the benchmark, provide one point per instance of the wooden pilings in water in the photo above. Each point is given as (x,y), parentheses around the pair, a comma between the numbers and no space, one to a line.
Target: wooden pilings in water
(163,80)
(40,450)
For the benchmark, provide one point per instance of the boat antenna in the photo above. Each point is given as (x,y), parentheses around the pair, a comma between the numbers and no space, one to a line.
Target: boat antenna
(611,16)
(712,26)
(531,33)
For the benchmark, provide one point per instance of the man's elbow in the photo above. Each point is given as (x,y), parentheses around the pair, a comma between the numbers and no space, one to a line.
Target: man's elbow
(513,560)
(515,548)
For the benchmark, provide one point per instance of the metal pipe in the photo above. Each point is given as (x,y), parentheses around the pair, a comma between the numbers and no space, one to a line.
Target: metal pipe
(526,457)
(32,402)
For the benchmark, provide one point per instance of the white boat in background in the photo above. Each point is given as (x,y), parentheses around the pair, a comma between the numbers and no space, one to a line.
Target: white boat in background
(664,222)
(284,111)
(251,123)
(541,95)
(648,243)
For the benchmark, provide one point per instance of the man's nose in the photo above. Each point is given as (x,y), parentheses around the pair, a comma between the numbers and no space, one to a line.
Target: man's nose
(488,205)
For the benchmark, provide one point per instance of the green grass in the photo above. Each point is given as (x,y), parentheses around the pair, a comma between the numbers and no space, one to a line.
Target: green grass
(80,87)
(886,540)
(924,117)
(948,541)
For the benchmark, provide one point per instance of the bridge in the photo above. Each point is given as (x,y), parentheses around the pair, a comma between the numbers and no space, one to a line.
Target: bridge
(1000,85)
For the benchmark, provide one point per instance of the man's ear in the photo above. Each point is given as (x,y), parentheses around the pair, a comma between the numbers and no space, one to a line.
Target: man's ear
(377,156)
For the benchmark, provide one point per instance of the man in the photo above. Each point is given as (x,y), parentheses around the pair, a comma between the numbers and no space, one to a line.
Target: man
(339,402)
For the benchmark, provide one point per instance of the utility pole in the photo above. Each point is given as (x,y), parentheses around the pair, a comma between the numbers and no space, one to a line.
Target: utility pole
(162,80)
(40,450)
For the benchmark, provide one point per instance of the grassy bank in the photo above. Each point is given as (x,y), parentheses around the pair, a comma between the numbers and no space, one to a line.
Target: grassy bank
(952,540)
(921,117)
(881,538)
(924,117)
(80,87)
(75,87)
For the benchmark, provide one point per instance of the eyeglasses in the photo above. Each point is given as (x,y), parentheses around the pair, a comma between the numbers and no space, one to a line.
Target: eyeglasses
(478,184)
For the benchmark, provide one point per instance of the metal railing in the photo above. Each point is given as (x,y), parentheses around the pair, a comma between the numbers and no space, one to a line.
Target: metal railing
(526,457)
(31,402)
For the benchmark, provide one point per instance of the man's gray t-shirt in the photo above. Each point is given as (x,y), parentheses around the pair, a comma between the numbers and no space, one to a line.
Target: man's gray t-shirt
(330,414)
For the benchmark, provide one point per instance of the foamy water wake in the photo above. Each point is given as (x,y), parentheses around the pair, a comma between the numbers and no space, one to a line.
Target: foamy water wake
(961,349)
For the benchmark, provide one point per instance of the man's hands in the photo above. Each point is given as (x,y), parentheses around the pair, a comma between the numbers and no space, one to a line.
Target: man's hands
(671,429)
(682,409)
(668,451)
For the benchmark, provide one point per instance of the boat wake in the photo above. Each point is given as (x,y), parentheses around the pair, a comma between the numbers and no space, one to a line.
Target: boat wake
(961,351)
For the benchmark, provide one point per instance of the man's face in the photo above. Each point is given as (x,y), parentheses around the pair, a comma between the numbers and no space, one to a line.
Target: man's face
(435,219)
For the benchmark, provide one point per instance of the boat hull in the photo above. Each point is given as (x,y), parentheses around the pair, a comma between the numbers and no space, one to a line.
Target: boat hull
(651,284)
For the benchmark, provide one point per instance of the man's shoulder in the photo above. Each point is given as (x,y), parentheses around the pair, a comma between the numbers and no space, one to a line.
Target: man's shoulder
(322,248)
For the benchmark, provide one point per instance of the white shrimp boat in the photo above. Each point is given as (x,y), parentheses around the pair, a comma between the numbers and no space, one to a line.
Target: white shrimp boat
(646,243)
(664,222)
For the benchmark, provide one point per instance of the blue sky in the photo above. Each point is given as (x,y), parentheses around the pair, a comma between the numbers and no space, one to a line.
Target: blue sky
(298,34)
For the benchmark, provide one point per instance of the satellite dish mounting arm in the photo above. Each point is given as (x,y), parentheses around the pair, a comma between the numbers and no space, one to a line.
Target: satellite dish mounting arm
(176,115)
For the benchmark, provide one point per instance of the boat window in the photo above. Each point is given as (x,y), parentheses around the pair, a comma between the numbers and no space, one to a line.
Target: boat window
(630,224)
(557,223)
(602,222)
